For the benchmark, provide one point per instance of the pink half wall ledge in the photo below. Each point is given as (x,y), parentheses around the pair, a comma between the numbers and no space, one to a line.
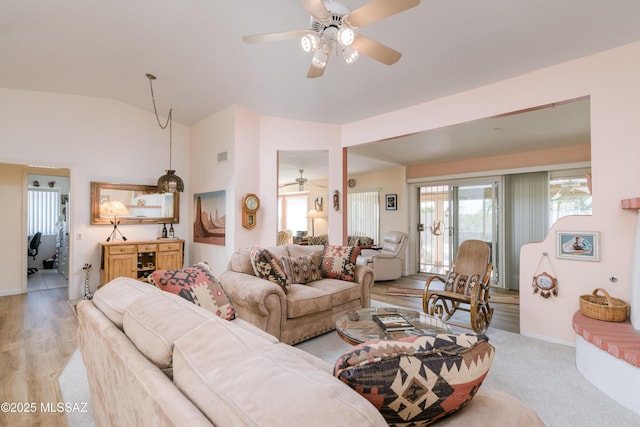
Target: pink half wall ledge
(634,304)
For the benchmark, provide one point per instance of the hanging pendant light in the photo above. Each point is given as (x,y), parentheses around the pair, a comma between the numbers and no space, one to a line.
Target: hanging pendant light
(169,182)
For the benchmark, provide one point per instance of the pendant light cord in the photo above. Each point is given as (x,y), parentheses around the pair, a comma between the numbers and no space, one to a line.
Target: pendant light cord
(169,121)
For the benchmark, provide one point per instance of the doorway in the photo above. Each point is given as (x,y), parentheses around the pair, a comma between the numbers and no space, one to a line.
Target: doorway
(48,208)
(451,213)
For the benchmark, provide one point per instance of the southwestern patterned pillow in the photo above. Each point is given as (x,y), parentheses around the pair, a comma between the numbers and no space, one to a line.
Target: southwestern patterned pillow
(267,266)
(417,380)
(460,283)
(198,285)
(301,269)
(339,262)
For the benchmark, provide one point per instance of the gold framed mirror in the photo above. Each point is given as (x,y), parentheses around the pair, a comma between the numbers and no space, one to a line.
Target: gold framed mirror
(133,204)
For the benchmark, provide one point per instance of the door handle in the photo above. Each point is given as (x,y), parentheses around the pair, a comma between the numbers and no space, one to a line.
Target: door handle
(420,227)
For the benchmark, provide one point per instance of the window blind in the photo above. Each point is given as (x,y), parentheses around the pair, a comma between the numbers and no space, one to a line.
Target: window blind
(363,214)
(43,207)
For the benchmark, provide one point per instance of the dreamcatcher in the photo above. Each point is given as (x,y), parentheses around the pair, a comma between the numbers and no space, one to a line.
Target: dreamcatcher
(544,282)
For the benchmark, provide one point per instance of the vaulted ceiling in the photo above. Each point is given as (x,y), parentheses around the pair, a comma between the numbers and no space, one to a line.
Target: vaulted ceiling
(194,47)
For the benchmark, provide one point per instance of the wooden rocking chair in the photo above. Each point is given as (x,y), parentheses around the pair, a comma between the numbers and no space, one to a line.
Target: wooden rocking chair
(466,284)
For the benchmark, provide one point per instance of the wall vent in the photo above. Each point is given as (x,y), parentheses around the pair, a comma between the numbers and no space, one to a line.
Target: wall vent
(222,156)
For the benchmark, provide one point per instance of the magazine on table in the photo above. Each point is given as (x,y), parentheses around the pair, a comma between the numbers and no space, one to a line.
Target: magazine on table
(392,322)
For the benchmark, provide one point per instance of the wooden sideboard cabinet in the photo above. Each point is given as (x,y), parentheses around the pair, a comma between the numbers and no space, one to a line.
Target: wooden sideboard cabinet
(139,259)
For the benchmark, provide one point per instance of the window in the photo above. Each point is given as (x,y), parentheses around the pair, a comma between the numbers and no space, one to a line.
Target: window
(569,192)
(363,214)
(292,211)
(43,206)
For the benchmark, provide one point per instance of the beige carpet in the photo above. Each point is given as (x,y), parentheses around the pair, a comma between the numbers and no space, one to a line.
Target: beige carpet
(540,374)
(417,293)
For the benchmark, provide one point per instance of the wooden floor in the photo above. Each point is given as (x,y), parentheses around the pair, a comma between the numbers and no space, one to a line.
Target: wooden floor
(505,316)
(37,338)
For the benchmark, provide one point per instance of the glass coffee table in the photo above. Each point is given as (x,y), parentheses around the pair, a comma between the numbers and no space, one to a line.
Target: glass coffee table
(357,326)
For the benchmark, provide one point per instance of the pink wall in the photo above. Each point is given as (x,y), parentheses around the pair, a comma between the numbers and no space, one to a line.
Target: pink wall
(610,78)
(521,160)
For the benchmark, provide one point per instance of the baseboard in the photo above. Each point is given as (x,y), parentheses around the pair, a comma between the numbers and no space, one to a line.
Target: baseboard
(11,292)
(548,339)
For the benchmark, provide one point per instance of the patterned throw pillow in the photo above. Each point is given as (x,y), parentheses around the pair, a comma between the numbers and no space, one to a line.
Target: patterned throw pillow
(267,266)
(420,379)
(339,262)
(460,283)
(198,285)
(300,269)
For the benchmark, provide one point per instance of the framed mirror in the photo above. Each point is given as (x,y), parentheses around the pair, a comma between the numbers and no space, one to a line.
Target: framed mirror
(303,200)
(133,204)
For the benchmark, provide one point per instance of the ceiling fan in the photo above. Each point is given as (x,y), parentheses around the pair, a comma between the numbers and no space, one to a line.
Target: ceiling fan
(301,181)
(333,27)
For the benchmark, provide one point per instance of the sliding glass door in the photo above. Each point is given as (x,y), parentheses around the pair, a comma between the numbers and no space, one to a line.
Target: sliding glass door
(453,213)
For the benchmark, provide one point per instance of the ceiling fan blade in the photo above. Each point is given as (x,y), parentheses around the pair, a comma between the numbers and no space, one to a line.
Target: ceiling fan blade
(317,9)
(315,72)
(375,50)
(378,10)
(271,37)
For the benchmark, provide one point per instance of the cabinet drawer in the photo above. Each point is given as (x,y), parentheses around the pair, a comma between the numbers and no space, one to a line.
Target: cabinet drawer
(164,247)
(126,249)
(147,248)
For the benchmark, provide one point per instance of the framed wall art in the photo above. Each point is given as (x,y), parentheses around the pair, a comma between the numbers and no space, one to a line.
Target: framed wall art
(209,224)
(580,245)
(391,202)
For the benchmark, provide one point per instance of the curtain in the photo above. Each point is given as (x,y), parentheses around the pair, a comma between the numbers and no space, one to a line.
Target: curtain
(526,218)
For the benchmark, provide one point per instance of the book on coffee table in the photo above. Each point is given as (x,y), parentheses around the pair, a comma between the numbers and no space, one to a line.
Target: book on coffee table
(392,322)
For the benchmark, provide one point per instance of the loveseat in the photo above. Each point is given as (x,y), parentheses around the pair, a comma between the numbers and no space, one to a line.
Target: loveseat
(298,311)
(155,359)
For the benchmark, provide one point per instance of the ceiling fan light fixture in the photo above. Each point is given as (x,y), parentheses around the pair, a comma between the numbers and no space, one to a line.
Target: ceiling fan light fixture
(309,42)
(345,36)
(350,55)
(320,58)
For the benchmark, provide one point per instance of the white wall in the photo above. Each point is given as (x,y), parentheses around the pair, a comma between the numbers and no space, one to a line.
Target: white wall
(97,140)
(387,181)
(611,80)
(233,131)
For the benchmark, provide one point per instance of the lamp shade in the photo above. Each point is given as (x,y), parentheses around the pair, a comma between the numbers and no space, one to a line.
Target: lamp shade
(113,208)
(313,214)
(170,183)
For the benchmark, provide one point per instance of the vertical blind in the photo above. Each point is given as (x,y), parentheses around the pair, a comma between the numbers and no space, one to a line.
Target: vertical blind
(43,206)
(363,214)
(526,218)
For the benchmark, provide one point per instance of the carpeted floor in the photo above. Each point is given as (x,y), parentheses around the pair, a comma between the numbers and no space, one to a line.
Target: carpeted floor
(541,374)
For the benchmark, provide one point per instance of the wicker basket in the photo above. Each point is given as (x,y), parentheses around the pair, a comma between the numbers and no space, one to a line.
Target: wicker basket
(603,307)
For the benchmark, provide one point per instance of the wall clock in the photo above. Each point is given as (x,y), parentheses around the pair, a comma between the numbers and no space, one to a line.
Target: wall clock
(546,284)
(250,206)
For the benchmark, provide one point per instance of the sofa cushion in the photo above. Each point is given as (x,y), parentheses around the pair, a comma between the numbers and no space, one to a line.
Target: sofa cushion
(268,266)
(197,285)
(114,297)
(341,291)
(230,374)
(339,262)
(155,322)
(240,262)
(303,300)
(303,250)
(302,269)
(418,379)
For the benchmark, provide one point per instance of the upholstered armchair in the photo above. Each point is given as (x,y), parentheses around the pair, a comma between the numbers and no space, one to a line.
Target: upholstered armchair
(387,263)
